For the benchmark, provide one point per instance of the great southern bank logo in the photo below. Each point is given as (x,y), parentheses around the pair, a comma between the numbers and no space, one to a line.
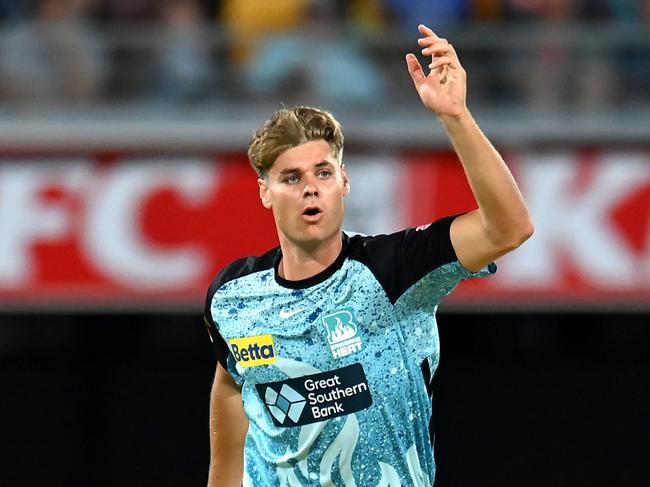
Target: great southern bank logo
(342,333)
(286,403)
(316,397)
(253,351)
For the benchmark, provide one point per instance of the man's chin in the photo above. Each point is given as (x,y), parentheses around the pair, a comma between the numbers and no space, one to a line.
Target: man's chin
(312,236)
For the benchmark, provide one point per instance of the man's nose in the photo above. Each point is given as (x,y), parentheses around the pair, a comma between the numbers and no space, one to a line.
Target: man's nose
(311,188)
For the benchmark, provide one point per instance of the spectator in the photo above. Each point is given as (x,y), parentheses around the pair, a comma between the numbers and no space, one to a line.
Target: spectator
(440,13)
(565,73)
(365,15)
(53,58)
(523,10)
(486,10)
(249,21)
(10,9)
(129,10)
(633,56)
(596,10)
(184,54)
(327,67)
(624,10)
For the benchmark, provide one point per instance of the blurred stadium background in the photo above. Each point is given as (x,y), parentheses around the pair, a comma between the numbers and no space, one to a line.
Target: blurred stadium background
(124,187)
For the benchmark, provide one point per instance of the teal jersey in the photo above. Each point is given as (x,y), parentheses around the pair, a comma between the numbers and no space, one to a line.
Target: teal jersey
(335,369)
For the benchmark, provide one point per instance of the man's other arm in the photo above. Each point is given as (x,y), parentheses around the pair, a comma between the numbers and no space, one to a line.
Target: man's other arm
(502,222)
(228,428)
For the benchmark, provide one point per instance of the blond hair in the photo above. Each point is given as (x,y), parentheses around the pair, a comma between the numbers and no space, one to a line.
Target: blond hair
(289,128)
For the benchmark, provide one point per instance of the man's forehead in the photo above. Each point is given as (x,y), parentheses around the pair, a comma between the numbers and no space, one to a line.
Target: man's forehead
(306,167)
(305,156)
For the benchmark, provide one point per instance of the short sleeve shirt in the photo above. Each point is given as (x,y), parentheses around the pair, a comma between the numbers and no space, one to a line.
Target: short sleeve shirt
(335,368)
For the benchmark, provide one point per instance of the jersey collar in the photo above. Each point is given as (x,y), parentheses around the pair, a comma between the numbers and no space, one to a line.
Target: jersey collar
(316,279)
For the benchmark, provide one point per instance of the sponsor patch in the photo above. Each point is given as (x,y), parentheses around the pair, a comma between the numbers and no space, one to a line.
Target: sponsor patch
(342,333)
(253,351)
(317,397)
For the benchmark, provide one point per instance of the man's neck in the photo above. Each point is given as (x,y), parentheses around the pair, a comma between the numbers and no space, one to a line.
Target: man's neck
(299,263)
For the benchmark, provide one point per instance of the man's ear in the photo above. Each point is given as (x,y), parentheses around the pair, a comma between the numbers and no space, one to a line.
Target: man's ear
(346,180)
(265,195)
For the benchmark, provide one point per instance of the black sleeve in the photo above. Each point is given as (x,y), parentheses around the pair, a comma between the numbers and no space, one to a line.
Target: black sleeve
(219,346)
(221,350)
(238,268)
(401,259)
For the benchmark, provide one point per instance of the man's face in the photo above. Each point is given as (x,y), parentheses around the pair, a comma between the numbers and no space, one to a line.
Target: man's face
(305,189)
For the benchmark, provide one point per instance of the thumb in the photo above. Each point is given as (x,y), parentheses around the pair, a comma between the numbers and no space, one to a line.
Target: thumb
(415,70)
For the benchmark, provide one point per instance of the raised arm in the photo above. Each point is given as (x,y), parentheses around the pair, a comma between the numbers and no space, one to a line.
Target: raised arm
(228,428)
(502,222)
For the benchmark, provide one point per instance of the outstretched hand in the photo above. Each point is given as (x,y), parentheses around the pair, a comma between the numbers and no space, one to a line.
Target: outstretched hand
(444,89)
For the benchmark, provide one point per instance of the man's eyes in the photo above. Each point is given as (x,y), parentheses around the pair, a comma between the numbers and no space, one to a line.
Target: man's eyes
(294,178)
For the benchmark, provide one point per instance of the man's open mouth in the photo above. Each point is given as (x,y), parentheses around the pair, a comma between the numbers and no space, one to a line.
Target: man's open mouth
(312,211)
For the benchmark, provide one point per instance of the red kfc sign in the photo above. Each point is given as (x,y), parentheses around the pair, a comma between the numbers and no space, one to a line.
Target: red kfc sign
(591,212)
(133,231)
(130,230)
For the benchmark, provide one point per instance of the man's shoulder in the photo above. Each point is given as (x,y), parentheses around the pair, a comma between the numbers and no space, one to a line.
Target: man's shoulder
(429,236)
(361,244)
(242,267)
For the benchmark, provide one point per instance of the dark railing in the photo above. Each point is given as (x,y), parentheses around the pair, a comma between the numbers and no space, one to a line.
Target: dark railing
(549,82)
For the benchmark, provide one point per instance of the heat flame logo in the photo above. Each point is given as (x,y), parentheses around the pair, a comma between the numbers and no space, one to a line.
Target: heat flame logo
(342,332)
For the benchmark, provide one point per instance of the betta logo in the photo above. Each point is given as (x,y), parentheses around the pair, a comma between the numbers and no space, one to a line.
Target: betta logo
(253,351)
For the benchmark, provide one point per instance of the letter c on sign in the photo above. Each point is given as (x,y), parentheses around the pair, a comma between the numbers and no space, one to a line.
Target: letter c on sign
(113,237)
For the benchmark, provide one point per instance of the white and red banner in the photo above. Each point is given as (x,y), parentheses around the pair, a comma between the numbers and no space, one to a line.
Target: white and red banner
(107,230)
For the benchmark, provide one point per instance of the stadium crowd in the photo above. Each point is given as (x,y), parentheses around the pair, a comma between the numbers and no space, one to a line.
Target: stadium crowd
(541,54)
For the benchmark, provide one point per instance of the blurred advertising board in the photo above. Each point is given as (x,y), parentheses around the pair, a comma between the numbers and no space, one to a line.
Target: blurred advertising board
(127,231)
